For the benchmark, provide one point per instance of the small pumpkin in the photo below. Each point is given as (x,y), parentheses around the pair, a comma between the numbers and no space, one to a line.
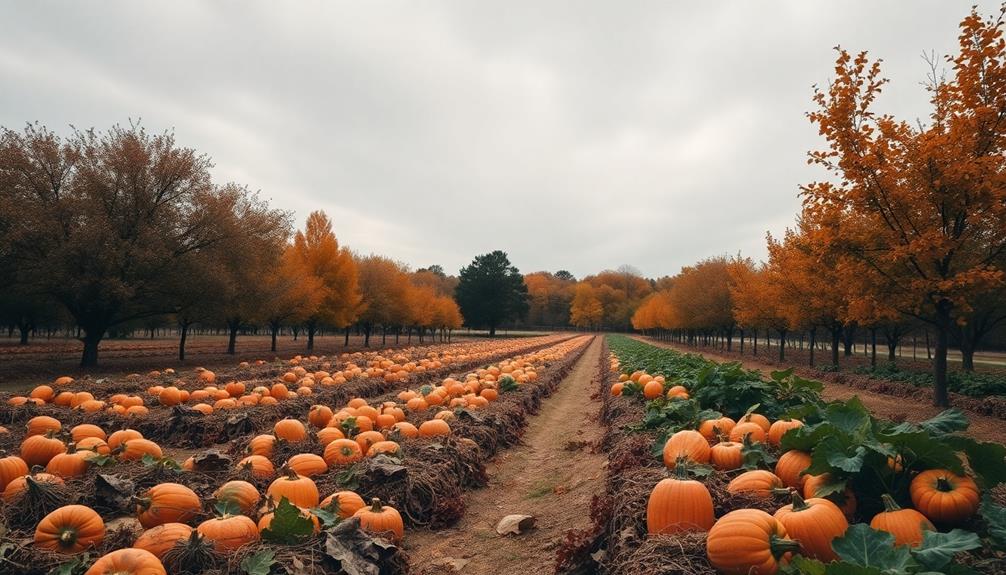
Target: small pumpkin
(263,445)
(229,532)
(344,503)
(679,505)
(307,464)
(84,430)
(241,493)
(68,465)
(135,449)
(342,452)
(42,424)
(36,483)
(846,500)
(299,490)
(119,437)
(727,455)
(791,467)
(128,561)
(159,539)
(780,428)
(11,467)
(381,520)
(712,429)
(290,430)
(368,438)
(40,449)
(945,497)
(688,444)
(258,466)
(167,503)
(907,525)
(70,529)
(747,429)
(434,428)
(814,522)
(748,542)
(386,447)
(757,482)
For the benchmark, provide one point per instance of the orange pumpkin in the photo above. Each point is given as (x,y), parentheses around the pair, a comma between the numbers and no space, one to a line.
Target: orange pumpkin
(70,529)
(167,503)
(119,437)
(299,490)
(40,449)
(43,424)
(907,525)
(128,561)
(158,540)
(241,493)
(945,497)
(815,523)
(344,503)
(678,505)
(779,428)
(749,429)
(758,482)
(381,520)
(688,444)
(748,542)
(727,455)
(11,467)
(307,464)
(20,485)
(135,449)
(342,452)
(258,466)
(290,430)
(791,467)
(229,533)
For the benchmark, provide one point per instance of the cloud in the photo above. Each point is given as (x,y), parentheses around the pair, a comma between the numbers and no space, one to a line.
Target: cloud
(576,135)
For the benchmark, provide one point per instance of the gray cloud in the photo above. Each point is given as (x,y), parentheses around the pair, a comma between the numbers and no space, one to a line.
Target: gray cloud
(577,135)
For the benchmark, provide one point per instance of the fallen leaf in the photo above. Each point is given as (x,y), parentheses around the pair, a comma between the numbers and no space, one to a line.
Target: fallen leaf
(515,524)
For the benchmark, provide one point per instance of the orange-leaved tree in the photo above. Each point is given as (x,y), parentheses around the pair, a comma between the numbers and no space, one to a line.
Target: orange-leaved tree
(586,310)
(933,195)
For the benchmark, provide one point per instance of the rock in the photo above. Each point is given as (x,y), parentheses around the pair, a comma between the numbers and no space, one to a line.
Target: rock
(515,524)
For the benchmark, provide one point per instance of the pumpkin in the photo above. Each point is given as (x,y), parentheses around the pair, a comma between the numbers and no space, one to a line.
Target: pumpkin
(758,482)
(727,455)
(40,449)
(70,529)
(266,520)
(342,452)
(158,540)
(29,483)
(241,493)
(343,503)
(779,428)
(128,561)
(381,520)
(328,435)
(712,429)
(678,505)
(11,467)
(263,445)
(257,466)
(44,392)
(167,503)
(319,415)
(299,490)
(368,438)
(229,532)
(791,466)
(653,389)
(434,428)
(945,497)
(388,447)
(748,542)
(85,430)
(93,444)
(42,424)
(67,465)
(748,429)
(135,449)
(814,522)
(846,500)
(758,419)
(907,525)
(290,430)
(307,464)
(119,437)
(405,429)
(688,444)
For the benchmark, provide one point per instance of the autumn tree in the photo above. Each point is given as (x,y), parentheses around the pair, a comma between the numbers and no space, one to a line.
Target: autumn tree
(102,222)
(932,193)
(334,269)
(586,310)
(620,293)
(701,298)
(491,291)
(549,299)
(384,287)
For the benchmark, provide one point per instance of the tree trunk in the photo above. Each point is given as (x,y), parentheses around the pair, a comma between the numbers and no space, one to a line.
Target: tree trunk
(232,336)
(941,397)
(848,338)
(384,336)
(967,354)
(873,347)
(782,345)
(492,332)
(366,335)
(742,341)
(346,341)
(836,341)
(755,334)
(183,335)
(92,337)
(730,339)
(813,344)
(25,329)
(273,332)
(312,327)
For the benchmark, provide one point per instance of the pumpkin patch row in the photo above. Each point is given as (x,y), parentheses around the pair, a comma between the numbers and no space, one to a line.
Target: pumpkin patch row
(195,515)
(802,484)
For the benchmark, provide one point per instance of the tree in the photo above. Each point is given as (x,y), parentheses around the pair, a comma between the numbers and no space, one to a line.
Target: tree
(701,298)
(586,310)
(931,195)
(292,293)
(491,291)
(102,222)
(565,276)
(550,298)
(756,300)
(334,269)
(384,287)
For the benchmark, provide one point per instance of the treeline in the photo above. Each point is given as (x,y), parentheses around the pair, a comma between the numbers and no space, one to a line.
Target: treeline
(908,230)
(101,230)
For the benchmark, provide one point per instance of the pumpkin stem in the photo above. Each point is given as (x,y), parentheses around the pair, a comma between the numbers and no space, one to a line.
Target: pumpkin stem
(944,485)
(289,472)
(681,467)
(67,537)
(781,546)
(889,503)
(376,505)
(779,491)
(142,502)
(798,503)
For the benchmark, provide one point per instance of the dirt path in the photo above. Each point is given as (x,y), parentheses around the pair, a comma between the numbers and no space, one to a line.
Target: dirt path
(886,406)
(552,475)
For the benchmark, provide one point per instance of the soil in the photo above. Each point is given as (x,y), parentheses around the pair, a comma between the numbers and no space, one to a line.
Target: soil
(889,407)
(552,475)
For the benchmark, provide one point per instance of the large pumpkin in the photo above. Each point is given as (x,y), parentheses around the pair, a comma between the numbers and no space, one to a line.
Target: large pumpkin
(344,503)
(814,523)
(907,525)
(128,561)
(945,497)
(381,520)
(70,529)
(158,540)
(727,455)
(40,449)
(241,493)
(307,464)
(290,430)
(11,467)
(678,505)
(299,490)
(791,466)
(748,542)
(757,482)
(167,503)
(229,532)
(688,444)
(780,428)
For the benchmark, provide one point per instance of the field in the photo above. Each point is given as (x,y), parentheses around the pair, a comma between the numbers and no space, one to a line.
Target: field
(563,429)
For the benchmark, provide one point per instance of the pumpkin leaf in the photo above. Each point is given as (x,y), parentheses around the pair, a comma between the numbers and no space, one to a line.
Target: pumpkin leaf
(850,464)
(988,460)
(755,456)
(995,518)
(507,383)
(75,566)
(851,418)
(938,549)
(801,565)
(949,421)
(289,525)
(329,516)
(227,508)
(259,563)
(864,546)
(843,568)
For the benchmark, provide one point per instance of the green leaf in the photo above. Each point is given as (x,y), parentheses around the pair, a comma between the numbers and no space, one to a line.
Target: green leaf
(851,417)
(227,508)
(843,568)
(801,565)
(988,460)
(329,516)
(995,519)
(938,549)
(949,421)
(507,383)
(259,563)
(850,464)
(864,546)
(288,525)
(75,566)
(805,438)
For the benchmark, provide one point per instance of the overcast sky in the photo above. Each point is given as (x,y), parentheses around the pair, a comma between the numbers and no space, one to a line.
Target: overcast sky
(577,135)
